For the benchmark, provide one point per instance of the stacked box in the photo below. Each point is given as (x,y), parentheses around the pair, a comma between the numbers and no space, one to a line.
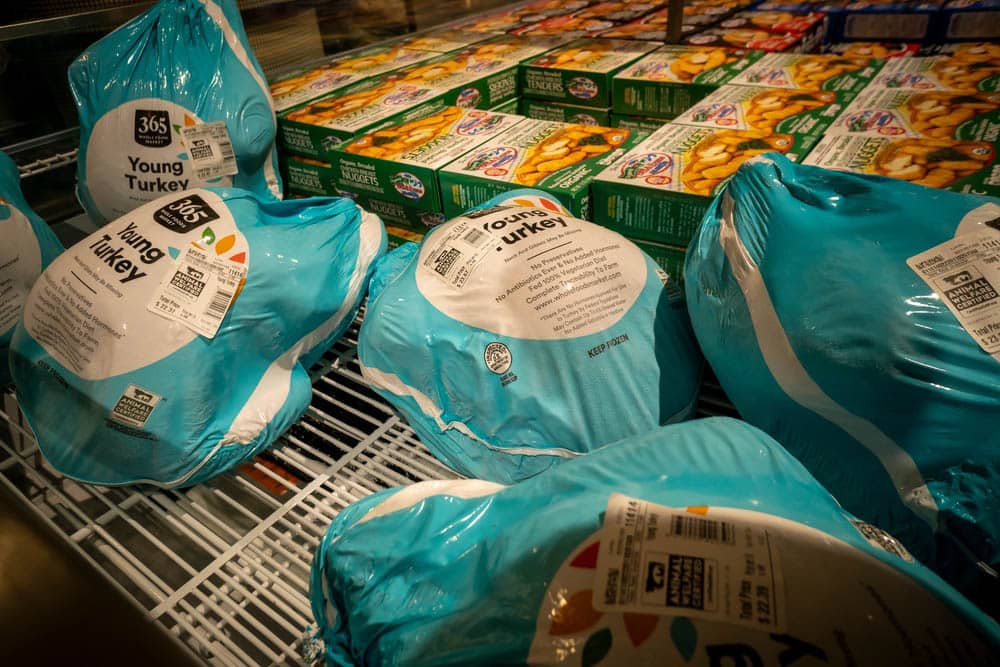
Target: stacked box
(314,129)
(749,38)
(811,26)
(619,12)
(811,72)
(511,106)
(444,40)
(637,123)
(564,113)
(669,80)
(867,20)
(881,50)
(523,16)
(396,214)
(972,70)
(399,163)
(306,176)
(580,72)
(936,138)
(515,47)
(653,27)
(559,158)
(567,25)
(804,115)
(660,190)
(962,20)
(397,236)
(670,258)
(466,80)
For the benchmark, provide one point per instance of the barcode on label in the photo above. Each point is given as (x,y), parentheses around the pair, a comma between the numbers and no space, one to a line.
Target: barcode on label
(446,260)
(226,149)
(473,236)
(696,528)
(219,304)
(611,592)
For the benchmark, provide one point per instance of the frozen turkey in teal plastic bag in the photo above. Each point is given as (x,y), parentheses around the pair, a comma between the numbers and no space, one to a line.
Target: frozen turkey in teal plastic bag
(702,544)
(172,100)
(516,336)
(849,317)
(27,245)
(174,342)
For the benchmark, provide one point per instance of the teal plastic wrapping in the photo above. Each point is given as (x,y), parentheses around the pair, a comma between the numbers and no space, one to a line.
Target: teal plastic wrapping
(180,65)
(473,573)
(516,336)
(117,368)
(822,334)
(28,246)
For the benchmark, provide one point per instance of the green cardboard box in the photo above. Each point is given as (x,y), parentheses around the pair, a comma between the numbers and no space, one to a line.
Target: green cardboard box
(400,162)
(564,113)
(964,70)
(510,106)
(442,40)
(560,158)
(917,159)
(396,214)
(670,258)
(515,47)
(669,80)
(580,72)
(803,114)
(398,235)
(659,191)
(469,81)
(813,71)
(637,123)
(339,72)
(314,129)
(307,176)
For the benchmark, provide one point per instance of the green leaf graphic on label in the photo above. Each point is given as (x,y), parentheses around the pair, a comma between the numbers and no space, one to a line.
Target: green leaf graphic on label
(597,646)
(208,236)
(684,636)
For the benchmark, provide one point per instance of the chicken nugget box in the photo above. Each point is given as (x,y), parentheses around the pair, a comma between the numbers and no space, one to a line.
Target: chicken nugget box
(659,190)
(560,158)
(970,20)
(470,81)
(952,164)
(515,47)
(902,20)
(670,258)
(398,235)
(619,12)
(959,71)
(567,25)
(399,163)
(811,26)
(564,113)
(637,123)
(749,38)
(803,114)
(580,72)
(811,72)
(315,128)
(873,49)
(510,106)
(443,40)
(669,80)
(522,16)
(394,213)
(308,176)
(888,112)
(653,28)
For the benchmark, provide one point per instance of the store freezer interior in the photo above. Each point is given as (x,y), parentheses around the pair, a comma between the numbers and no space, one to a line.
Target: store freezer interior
(472,333)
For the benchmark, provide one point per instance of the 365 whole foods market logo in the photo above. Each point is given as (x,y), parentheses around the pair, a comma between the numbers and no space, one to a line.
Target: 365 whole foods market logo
(722,114)
(653,168)
(883,122)
(190,212)
(582,87)
(408,185)
(494,162)
(405,94)
(478,123)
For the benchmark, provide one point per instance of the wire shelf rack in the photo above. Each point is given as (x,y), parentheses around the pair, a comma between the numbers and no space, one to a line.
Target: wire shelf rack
(224,566)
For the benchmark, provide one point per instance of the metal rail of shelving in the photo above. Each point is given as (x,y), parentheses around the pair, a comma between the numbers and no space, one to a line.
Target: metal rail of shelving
(224,566)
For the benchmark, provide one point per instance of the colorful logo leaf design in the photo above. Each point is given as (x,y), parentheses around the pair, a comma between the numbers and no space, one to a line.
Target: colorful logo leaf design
(685,637)
(574,614)
(222,246)
(587,559)
(597,646)
(173,252)
(639,627)
(208,236)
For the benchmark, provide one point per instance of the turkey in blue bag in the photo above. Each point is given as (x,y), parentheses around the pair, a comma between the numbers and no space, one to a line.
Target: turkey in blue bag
(28,245)
(516,336)
(702,544)
(856,320)
(174,342)
(172,100)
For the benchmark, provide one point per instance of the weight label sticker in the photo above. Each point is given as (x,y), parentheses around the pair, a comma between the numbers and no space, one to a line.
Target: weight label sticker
(210,150)
(660,560)
(135,406)
(199,291)
(457,252)
(965,274)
